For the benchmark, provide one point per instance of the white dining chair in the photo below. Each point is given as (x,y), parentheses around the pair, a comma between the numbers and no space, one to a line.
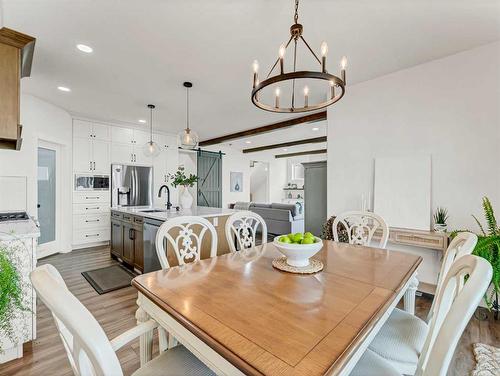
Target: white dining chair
(455,305)
(360,228)
(243,227)
(184,240)
(401,339)
(89,350)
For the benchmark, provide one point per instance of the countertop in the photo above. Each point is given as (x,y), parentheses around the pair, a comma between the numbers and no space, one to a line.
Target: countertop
(198,211)
(18,229)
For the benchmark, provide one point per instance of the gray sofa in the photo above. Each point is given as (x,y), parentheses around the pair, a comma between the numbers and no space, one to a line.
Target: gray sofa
(279,218)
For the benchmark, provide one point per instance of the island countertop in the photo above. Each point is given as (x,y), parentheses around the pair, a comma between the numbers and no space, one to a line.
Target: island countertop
(164,215)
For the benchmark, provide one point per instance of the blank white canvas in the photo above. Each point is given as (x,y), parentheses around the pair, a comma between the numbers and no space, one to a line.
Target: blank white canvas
(13,193)
(402,193)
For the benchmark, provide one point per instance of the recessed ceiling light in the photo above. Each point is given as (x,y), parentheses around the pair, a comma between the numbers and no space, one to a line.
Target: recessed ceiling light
(285,149)
(248,142)
(142,121)
(64,88)
(315,129)
(84,48)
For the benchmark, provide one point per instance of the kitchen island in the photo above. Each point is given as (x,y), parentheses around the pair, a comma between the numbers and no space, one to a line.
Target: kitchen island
(133,233)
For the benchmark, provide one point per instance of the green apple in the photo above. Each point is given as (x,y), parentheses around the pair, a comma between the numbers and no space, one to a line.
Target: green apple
(308,235)
(285,239)
(297,237)
(308,240)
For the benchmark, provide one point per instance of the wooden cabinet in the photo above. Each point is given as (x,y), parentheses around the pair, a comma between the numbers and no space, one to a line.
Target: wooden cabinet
(127,242)
(16,55)
(116,238)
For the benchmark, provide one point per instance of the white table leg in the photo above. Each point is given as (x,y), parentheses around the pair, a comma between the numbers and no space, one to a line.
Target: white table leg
(146,340)
(409,297)
(163,339)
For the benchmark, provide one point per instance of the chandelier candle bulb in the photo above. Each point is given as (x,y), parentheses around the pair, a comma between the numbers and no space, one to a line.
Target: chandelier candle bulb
(277,97)
(324,51)
(332,89)
(255,66)
(306,96)
(343,64)
(282,51)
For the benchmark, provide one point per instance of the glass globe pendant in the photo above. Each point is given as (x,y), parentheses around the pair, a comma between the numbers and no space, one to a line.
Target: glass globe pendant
(188,139)
(151,148)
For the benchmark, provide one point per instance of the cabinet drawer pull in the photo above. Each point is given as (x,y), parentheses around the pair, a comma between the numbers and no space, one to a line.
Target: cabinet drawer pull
(93,220)
(91,235)
(97,207)
(91,197)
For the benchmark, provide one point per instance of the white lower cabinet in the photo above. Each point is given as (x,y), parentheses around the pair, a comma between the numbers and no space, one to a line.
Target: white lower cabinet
(91,217)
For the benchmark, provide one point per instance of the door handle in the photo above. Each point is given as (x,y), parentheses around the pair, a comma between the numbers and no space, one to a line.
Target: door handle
(90,166)
(94,165)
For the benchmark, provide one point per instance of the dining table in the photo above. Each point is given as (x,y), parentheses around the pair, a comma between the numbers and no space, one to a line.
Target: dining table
(241,316)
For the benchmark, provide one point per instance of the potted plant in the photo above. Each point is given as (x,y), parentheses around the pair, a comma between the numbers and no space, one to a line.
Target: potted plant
(180,179)
(488,247)
(440,218)
(12,295)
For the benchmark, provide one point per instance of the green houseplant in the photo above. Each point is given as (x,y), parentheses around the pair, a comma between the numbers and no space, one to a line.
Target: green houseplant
(440,217)
(488,247)
(12,299)
(181,179)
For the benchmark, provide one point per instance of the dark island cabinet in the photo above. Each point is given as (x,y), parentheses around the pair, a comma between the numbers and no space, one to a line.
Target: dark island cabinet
(127,244)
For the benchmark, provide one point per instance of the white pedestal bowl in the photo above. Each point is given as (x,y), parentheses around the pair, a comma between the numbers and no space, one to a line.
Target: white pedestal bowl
(298,255)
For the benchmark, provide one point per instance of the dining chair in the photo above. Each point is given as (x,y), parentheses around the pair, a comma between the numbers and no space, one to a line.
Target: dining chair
(401,339)
(185,234)
(455,305)
(243,226)
(360,227)
(89,350)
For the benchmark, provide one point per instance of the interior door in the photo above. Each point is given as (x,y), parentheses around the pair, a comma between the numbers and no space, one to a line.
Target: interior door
(48,193)
(209,179)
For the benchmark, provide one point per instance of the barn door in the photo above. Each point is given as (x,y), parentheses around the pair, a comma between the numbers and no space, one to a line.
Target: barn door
(210,179)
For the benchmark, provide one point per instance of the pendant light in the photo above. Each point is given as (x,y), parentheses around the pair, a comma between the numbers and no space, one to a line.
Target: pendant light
(188,139)
(151,148)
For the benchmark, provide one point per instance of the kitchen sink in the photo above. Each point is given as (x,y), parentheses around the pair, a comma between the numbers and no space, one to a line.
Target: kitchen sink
(152,211)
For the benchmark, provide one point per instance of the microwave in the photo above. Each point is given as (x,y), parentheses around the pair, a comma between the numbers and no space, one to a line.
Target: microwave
(91,182)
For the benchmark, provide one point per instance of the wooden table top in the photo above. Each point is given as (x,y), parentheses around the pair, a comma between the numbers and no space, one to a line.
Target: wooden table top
(266,321)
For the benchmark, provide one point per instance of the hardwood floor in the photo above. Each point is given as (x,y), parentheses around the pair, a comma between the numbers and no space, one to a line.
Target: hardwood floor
(115,311)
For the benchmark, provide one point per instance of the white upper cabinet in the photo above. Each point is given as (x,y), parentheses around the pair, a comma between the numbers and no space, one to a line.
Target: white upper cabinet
(101,132)
(82,155)
(82,128)
(140,137)
(122,135)
(101,157)
(122,153)
(87,129)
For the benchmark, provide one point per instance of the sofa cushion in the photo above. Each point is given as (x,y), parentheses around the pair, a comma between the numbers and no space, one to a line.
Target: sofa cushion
(260,205)
(291,207)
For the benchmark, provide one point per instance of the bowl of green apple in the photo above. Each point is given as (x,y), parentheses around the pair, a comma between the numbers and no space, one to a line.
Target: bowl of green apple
(298,248)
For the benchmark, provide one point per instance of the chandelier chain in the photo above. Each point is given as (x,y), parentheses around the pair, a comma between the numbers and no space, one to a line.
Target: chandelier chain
(296,15)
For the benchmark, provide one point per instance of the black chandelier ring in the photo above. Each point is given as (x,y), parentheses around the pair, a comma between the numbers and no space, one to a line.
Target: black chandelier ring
(334,95)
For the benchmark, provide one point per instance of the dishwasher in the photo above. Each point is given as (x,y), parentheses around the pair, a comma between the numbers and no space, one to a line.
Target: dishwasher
(151,261)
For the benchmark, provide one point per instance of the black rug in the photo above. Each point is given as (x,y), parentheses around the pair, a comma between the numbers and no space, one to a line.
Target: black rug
(109,278)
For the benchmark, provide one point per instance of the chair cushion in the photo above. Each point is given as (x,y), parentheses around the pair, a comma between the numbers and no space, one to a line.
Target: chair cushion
(400,341)
(174,362)
(373,365)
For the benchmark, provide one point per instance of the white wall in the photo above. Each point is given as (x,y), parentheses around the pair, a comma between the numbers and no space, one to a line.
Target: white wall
(42,121)
(189,159)
(448,108)
(234,161)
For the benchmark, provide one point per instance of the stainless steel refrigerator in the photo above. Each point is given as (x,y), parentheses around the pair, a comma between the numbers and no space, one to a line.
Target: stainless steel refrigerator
(131,185)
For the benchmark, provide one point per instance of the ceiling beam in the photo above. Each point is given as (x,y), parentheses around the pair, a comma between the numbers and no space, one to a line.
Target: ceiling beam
(287,144)
(310,152)
(317,116)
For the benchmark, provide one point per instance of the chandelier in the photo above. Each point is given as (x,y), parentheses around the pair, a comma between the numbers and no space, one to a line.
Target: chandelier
(331,86)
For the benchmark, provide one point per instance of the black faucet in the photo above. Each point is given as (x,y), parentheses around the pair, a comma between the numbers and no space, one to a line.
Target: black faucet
(168,204)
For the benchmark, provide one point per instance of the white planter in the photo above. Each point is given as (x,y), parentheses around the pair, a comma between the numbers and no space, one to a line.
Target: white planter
(440,228)
(186,199)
